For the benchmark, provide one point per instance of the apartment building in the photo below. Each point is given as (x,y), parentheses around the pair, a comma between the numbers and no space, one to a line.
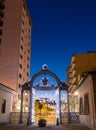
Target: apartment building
(87,100)
(79,66)
(15,45)
(81,78)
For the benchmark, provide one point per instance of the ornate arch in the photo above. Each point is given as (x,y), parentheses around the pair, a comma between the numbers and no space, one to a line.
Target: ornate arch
(46,72)
(29,85)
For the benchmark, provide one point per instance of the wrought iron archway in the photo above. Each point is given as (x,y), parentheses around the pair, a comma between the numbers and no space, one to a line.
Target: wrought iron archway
(29,86)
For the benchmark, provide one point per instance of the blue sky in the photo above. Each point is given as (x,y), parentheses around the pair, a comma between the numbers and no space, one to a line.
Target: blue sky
(61,28)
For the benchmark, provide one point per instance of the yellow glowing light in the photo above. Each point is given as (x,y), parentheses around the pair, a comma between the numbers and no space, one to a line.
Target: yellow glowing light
(76,93)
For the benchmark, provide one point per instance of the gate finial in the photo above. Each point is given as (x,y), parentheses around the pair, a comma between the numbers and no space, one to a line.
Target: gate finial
(45,67)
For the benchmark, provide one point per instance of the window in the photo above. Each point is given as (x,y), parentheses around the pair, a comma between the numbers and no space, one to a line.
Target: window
(2,6)
(22,38)
(0,40)
(3,106)
(20,76)
(0,31)
(81,106)
(1,13)
(28,58)
(27,66)
(21,47)
(86,104)
(21,66)
(27,74)
(21,56)
(19,85)
(1,22)
(22,30)
(28,51)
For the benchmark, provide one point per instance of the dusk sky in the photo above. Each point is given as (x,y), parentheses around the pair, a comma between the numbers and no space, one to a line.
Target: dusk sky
(61,28)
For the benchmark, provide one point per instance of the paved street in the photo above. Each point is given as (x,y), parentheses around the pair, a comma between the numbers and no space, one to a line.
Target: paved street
(48,127)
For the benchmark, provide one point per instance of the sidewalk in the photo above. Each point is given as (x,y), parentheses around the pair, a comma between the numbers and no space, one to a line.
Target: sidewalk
(71,126)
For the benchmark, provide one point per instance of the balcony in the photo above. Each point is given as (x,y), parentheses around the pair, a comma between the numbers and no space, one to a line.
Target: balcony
(73,73)
(74,81)
(73,66)
(73,88)
(73,60)
(70,88)
(70,75)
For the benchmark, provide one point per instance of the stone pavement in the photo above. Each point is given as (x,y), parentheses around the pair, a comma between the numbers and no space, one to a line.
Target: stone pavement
(71,126)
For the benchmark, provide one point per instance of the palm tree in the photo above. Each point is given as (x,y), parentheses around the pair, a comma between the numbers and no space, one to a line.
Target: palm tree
(40,106)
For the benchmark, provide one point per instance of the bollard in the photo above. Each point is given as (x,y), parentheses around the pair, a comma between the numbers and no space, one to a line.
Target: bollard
(57,122)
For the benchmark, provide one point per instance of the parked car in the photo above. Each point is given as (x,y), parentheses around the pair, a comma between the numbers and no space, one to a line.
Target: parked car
(42,123)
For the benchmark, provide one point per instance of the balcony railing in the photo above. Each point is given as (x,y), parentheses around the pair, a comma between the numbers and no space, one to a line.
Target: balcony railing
(74,81)
(72,60)
(73,66)
(73,73)
(73,88)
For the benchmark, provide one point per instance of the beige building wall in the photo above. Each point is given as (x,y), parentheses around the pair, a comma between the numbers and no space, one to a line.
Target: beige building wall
(86,87)
(80,65)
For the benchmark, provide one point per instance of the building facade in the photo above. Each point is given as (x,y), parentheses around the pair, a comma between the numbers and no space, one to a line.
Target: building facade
(81,78)
(87,100)
(5,103)
(15,45)
(79,66)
